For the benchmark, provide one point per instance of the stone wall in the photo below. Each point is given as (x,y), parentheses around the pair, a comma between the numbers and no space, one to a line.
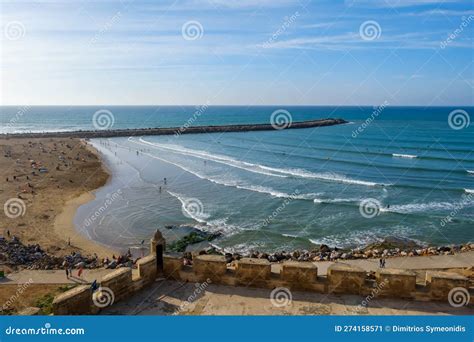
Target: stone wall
(441,283)
(147,269)
(77,301)
(341,279)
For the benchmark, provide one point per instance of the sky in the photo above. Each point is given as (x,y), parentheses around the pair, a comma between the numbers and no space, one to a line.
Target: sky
(231,52)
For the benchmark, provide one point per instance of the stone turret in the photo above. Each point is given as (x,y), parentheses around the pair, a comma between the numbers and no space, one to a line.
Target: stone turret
(157,240)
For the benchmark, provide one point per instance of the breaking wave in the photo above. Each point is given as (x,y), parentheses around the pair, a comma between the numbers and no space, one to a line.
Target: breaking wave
(409,156)
(261,169)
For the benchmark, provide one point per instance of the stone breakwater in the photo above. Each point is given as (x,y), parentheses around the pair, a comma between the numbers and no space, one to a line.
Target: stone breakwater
(109,133)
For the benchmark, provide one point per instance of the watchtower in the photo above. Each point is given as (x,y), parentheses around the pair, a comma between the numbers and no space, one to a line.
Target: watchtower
(157,247)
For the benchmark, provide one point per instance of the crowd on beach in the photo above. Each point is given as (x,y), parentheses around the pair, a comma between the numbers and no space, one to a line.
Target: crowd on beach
(16,255)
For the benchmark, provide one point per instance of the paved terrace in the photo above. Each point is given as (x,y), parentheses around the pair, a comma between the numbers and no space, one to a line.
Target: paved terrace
(462,260)
(169,298)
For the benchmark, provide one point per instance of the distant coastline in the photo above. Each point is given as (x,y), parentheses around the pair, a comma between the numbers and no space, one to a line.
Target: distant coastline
(109,133)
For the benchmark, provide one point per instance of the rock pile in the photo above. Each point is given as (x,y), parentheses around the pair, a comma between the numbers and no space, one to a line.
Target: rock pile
(15,254)
(325,253)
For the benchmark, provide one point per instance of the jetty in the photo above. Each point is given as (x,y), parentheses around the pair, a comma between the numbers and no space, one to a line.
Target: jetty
(109,133)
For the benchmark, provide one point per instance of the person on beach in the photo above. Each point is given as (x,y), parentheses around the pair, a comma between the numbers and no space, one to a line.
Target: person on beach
(79,273)
(381,263)
(67,273)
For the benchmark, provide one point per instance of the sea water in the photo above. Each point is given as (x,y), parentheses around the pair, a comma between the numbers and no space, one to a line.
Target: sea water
(392,171)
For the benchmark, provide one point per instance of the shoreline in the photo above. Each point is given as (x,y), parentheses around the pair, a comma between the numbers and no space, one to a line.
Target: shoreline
(64,222)
(395,246)
(65,228)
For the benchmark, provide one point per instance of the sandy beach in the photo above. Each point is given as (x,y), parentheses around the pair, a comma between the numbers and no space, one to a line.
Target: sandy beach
(47,180)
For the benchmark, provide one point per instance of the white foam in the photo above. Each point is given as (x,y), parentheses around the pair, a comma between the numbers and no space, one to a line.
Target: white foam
(199,216)
(257,168)
(469,191)
(289,235)
(471,172)
(359,238)
(328,176)
(336,200)
(410,156)
(421,207)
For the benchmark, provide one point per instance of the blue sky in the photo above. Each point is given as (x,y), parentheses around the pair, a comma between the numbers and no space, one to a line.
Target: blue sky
(256,52)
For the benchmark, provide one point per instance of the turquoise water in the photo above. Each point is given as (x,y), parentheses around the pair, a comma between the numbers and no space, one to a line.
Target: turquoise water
(278,190)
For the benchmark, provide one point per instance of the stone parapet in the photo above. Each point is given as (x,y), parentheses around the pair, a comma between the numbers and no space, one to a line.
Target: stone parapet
(209,267)
(396,282)
(344,278)
(250,271)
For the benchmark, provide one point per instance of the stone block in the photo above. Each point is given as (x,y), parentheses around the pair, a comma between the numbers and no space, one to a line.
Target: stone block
(252,271)
(344,278)
(147,269)
(172,266)
(209,267)
(441,283)
(119,282)
(395,282)
(300,274)
(77,301)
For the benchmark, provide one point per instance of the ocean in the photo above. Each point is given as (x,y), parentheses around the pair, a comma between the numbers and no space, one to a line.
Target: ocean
(406,172)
